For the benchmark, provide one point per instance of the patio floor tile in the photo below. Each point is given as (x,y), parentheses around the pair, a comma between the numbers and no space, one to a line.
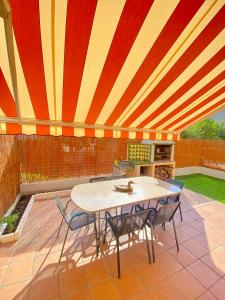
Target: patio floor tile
(15,291)
(96,270)
(181,235)
(44,287)
(5,253)
(44,262)
(164,291)
(80,294)
(207,242)
(189,230)
(146,295)
(23,252)
(2,273)
(129,284)
(218,290)
(71,279)
(195,248)
(220,252)
(103,289)
(206,276)
(183,280)
(17,272)
(150,274)
(184,257)
(125,262)
(168,263)
(217,236)
(216,263)
(207,296)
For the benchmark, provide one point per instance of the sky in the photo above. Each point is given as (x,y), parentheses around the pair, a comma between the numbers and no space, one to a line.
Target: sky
(220,116)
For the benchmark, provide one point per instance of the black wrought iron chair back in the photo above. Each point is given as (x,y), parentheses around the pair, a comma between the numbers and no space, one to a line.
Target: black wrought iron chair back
(103,178)
(75,220)
(125,224)
(164,214)
(97,179)
(173,198)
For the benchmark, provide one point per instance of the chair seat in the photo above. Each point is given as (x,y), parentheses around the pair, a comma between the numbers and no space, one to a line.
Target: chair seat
(83,220)
(167,201)
(163,201)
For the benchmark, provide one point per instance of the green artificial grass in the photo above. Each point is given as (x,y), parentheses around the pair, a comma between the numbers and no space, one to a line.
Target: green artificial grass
(206,185)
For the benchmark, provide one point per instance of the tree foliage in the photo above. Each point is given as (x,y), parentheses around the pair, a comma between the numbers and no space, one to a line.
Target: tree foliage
(208,129)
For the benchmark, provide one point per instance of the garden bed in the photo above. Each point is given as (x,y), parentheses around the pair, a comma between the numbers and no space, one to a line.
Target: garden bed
(16,219)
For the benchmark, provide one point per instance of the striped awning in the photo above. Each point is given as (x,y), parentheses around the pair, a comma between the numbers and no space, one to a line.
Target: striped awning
(114,68)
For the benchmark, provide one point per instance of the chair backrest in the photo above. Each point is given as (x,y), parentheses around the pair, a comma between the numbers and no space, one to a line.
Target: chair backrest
(96,179)
(62,209)
(179,184)
(165,213)
(133,222)
(116,177)
(103,178)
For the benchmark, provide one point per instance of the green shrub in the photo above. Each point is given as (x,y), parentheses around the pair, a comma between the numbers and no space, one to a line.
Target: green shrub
(10,220)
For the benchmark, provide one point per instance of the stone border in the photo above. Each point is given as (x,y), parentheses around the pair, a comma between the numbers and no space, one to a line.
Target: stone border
(202,170)
(54,185)
(11,237)
(66,184)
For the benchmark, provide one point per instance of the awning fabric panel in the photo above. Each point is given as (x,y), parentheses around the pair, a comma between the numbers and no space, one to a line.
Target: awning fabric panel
(123,69)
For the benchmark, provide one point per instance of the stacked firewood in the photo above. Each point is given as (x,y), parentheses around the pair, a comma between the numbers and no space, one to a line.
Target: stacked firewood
(162,172)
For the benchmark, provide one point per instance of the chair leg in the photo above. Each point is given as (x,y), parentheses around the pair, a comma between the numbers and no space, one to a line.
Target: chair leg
(67,203)
(175,233)
(153,248)
(97,240)
(105,231)
(59,229)
(64,244)
(132,209)
(148,250)
(181,217)
(118,256)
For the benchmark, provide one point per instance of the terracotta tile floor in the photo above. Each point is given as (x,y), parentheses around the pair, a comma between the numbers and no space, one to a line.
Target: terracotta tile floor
(28,268)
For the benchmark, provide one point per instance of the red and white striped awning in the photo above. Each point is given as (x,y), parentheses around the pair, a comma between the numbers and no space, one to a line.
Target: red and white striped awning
(113,68)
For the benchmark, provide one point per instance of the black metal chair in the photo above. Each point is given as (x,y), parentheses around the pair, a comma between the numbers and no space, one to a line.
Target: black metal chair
(125,224)
(75,220)
(161,216)
(172,199)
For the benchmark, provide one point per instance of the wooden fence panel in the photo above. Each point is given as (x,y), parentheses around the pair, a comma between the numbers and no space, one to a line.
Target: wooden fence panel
(49,157)
(206,153)
(9,171)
